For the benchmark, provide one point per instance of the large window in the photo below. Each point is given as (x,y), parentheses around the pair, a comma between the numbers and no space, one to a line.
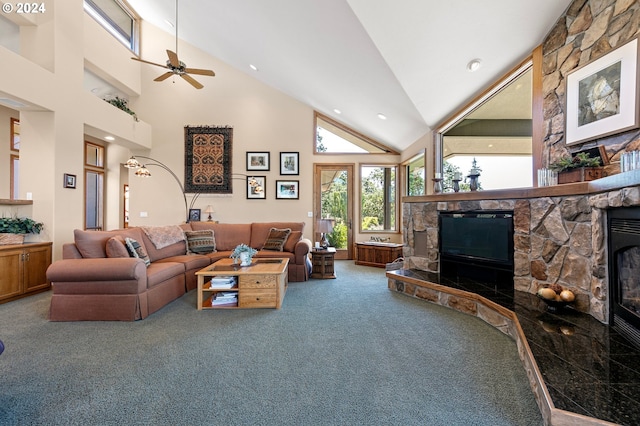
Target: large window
(378,198)
(416,175)
(494,133)
(14,158)
(333,137)
(117,18)
(94,187)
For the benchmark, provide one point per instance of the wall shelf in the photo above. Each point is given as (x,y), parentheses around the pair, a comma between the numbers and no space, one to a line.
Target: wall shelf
(7,202)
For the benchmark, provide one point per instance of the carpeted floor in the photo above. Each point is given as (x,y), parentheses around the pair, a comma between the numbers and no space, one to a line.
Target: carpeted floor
(339,352)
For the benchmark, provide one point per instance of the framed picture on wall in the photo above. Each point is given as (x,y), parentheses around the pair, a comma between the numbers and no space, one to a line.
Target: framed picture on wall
(603,96)
(69,181)
(255,187)
(287,189)
(258,161)
(289,163)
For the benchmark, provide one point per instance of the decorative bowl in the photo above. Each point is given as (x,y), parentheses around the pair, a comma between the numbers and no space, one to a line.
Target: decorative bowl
(554,305)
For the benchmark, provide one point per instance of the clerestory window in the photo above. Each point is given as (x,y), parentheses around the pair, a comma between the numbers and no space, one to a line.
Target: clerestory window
(117,18)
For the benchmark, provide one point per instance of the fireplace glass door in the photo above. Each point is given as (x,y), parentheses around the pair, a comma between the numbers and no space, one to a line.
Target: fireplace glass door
(624,268)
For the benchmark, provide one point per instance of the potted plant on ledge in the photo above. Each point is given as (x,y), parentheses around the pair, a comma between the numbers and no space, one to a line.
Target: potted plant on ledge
(13,229)
(579,168)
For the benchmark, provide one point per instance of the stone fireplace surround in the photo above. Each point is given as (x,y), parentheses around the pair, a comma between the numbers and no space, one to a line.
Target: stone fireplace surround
(559,233)
(560,236)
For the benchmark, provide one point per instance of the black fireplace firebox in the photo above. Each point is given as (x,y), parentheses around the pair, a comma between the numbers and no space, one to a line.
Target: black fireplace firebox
(624,270)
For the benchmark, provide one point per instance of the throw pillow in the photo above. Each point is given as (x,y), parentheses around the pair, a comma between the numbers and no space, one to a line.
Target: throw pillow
(136,250)
(291,242)
(116,247)
(200,242)
(276,238)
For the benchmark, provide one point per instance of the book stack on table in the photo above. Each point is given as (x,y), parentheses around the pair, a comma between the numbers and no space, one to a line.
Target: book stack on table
(224,298)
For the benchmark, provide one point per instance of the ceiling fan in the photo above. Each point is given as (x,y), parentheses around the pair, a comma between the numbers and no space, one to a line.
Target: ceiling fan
(176,66)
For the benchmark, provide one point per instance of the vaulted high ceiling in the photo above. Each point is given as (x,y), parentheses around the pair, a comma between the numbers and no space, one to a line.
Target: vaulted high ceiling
(406,59)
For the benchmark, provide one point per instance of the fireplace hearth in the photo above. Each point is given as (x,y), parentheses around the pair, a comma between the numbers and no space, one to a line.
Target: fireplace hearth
(624,271)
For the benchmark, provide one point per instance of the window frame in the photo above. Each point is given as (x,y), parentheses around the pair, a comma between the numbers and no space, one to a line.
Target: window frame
(379,147)
(526,65)
(98,169)
(387,210)
(102,18)
(407,174)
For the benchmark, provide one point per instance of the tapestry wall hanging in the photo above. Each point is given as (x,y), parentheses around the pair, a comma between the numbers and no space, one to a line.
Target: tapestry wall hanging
(207,159)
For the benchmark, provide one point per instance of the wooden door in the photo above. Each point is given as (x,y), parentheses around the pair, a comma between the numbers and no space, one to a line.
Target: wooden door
(333,199)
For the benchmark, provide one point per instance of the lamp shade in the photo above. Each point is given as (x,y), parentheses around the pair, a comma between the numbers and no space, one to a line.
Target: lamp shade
(209,209)
(324,226)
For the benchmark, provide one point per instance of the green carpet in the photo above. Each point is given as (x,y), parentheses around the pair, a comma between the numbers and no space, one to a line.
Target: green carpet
(339,352)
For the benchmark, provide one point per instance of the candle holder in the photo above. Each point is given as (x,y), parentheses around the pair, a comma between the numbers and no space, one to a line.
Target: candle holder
(473,181)
(437,185)
(456,185)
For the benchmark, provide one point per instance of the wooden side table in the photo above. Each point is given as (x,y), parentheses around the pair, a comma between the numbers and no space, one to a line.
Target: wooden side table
(323,263)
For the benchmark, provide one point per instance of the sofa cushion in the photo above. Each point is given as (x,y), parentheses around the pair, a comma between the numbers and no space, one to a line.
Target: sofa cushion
(200,242)
(228,235)
(136,250)
(92,244)
(116,247)
(290,244)
(260,231)
(159,272)
(276,239)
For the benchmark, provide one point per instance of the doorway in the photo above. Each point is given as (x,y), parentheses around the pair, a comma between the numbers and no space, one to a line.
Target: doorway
(333,199)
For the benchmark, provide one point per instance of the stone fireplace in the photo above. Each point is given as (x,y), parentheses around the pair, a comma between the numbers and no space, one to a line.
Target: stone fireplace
(560,236)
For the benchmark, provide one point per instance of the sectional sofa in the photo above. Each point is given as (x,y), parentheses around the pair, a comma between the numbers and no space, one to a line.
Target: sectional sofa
(99,279)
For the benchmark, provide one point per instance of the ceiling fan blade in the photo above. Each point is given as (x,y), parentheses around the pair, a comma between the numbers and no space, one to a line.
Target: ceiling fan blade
(199,71)
(164,76)
(192,81)
(173,59)
(147,62)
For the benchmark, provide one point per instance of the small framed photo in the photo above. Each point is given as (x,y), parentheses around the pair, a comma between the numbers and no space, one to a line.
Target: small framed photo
(255,187)
(289,163)
(194,215)
(287,189)
(69,181)
(257,161)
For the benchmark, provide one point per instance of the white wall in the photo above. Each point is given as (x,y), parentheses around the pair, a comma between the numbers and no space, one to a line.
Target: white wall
(48,74)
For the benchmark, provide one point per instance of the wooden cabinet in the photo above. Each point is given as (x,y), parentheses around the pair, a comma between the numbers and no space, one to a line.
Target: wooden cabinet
(377,254)
(23,269)
(323,263)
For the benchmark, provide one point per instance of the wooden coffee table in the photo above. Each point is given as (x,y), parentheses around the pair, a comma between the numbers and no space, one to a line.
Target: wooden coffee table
(261,285)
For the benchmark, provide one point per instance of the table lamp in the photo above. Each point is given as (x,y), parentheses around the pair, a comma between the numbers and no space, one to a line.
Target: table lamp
(209,210)
(324,226)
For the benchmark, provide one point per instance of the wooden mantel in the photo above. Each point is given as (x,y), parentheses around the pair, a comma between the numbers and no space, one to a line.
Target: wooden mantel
(609,183)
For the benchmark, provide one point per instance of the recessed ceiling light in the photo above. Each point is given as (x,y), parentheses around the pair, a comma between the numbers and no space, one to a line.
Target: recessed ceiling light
(382,116)
(337,111)
(253,67)
(109,138)
(474,65)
